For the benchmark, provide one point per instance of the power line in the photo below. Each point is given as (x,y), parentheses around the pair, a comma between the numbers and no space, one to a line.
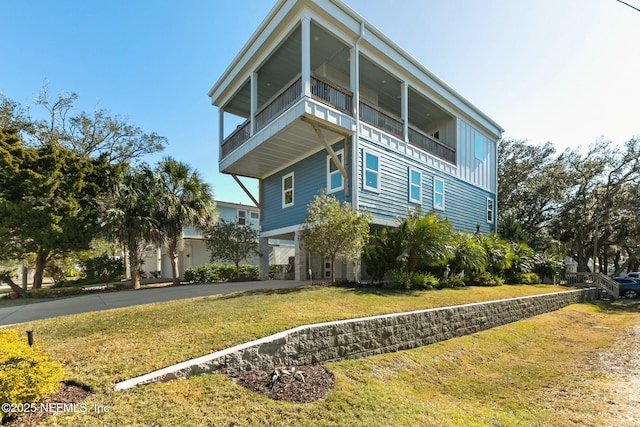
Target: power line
(631,6)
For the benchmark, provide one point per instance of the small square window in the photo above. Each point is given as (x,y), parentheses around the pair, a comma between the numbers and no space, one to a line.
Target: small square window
(415,186)
(371,172)
(438,194)
(287,190)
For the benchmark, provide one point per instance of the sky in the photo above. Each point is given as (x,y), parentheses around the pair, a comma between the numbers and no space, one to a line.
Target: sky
(565,71)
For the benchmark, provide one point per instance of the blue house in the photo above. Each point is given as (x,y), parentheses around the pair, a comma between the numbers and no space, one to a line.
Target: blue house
(320,99)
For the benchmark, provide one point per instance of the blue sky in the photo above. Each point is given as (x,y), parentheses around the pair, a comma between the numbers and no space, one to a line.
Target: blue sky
(565,71)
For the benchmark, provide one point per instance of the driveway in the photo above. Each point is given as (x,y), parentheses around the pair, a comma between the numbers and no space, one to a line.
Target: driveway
(108,300)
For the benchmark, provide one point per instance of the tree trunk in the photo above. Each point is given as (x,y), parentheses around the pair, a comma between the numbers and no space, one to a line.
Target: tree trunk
(333,269)
(616,263)
(17,289)
(172,249)
(41,262)
(237,269)
(174,268)
(134,265)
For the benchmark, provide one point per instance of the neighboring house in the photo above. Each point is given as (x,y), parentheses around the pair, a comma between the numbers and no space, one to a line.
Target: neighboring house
(320,99)
(194,250)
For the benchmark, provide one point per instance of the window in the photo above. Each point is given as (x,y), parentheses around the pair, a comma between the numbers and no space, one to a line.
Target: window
(371,172)
(255,215)
(479,147)
(335,181)
(242,217)
(415,186)
(287,190)
(438,193)
(490,211)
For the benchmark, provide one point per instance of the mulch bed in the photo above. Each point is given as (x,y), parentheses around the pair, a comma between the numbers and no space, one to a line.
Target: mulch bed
(314,383)
(67,394)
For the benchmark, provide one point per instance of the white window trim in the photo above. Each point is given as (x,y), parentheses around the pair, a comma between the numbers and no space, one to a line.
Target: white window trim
(411,185)
(365,169)
(337,171)
(245,218)
(444,201)
(493,210)
(293,186)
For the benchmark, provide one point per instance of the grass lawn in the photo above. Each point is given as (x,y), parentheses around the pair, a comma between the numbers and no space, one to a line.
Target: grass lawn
(534,372)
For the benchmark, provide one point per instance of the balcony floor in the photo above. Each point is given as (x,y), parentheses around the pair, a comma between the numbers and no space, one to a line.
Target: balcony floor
(287,139)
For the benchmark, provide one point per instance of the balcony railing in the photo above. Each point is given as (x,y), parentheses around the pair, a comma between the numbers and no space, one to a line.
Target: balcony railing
(235,140)
(341,99)
(370,113)
(431,145)
(332,94)
(373,115)
(279,102)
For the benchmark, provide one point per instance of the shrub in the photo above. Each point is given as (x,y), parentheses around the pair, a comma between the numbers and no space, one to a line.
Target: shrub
(422,281)
(400,279)
(484,279)
(525,279)
(210,273)
(249,272)
(273,270)
(450,282)
(26,374)
(202,274)
(105,268)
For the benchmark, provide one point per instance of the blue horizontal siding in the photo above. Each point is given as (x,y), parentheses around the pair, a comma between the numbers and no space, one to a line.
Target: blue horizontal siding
(465,204)
(310,178)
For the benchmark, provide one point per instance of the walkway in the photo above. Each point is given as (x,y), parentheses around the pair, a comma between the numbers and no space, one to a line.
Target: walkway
(108,300)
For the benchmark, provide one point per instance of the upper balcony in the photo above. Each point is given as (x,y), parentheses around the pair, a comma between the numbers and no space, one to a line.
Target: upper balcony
(313,77)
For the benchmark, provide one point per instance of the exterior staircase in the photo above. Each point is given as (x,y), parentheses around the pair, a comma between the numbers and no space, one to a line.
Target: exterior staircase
(605,284)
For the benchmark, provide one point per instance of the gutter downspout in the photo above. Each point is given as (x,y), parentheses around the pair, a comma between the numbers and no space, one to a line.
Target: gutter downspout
(356,137)
(355,144)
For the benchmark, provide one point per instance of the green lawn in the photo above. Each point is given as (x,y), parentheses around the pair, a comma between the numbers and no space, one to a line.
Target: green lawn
(510,375)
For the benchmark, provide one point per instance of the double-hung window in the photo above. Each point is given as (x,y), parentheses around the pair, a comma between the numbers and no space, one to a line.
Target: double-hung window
(489,210)
(242,217)
(438,193)
(335,181)
(415,186)
(371,172)
(287,190)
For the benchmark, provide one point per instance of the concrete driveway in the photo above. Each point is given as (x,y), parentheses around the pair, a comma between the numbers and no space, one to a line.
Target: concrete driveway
(108,300)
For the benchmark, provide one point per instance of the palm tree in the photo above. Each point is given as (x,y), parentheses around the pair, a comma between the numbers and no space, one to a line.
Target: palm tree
(183,199)
(427,240)
(130,216)
(468,254)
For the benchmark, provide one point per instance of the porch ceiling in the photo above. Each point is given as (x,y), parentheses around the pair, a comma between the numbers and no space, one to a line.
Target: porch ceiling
(291,144)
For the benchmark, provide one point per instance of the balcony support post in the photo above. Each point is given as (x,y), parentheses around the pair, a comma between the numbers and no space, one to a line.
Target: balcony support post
(306,56)
(220,127)
(405,111)
(333,156)
(254,102)
(246,190)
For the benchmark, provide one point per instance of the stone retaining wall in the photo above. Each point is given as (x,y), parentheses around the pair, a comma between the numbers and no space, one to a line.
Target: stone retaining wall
(354,338)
